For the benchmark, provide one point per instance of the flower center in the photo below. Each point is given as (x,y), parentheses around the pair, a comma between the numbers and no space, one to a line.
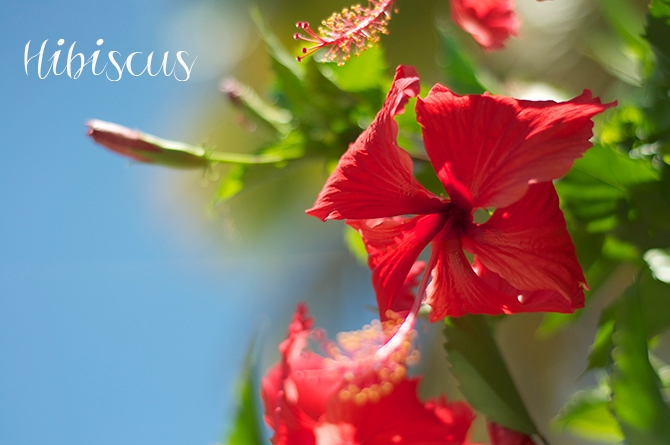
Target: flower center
(367,375)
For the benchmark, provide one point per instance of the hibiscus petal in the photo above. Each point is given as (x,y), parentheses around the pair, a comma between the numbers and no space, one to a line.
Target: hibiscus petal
(490,22)
(456,290)
(374,179)
(295,391)
(393,246)
(488,149)
(399,417)
(528,245)
(532,301)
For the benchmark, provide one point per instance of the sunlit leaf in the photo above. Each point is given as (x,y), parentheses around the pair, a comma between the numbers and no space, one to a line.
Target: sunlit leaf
(587,414)
(363,72)
(355,244)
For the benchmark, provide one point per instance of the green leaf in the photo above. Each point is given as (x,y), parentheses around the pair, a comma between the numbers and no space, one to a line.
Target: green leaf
(609,167)
(363,72)
(355,243)
(655,309)
(480,369)
(232,184)
(275,48)
(256,109)
(637,401)
(587,415)
(600,355)
(246,429)
(457,67)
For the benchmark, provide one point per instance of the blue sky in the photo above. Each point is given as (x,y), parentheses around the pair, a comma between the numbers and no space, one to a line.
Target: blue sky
(115,329)
(110,332)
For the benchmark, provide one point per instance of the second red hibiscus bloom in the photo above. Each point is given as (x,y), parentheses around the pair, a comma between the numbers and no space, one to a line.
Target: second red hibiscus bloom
(488,152)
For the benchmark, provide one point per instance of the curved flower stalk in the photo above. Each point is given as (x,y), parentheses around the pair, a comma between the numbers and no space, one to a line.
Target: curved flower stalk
(490,22)
(353,395)
(347,33)
(150,149)
(488,152)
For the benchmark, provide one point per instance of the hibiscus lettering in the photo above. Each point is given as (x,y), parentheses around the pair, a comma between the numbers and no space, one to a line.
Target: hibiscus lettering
(76,62)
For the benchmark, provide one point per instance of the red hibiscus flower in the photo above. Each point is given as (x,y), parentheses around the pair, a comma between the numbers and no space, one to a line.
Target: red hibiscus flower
(346,399)
(488,152)
(490,22)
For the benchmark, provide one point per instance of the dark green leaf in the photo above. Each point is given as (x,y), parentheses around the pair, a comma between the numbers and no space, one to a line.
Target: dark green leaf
(658,35)
(480,369)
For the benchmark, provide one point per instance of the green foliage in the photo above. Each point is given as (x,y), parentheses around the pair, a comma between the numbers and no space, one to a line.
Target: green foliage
(457,67)
(246,429)
(480,369)
(316,110)
(637,401)
(654,302)
(587,414)
(658,35)
(289,147)
(355,244)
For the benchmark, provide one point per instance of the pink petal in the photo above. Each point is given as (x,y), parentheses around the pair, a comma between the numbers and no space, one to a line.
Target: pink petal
(393,246)
(528,245)
(490,22)
(374,179)
(456,290)
(488,149)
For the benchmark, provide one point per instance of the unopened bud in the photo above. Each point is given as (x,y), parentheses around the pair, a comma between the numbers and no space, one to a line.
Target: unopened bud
(145,147)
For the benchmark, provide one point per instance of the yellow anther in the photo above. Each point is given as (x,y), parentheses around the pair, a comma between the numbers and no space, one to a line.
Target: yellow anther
(360,399)
(344,395)
(398,374)
(384,374)
(386,388)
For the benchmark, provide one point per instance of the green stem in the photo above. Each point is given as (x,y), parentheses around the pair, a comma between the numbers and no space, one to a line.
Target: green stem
(242,158)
